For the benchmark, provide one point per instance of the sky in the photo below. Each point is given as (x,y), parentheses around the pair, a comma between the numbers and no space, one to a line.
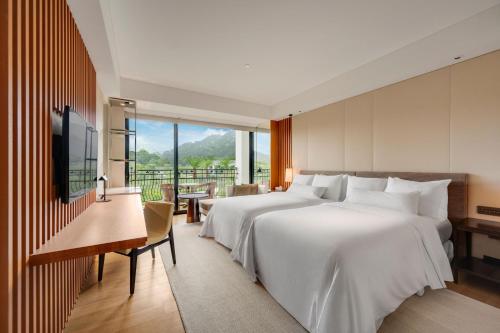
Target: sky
(158,136)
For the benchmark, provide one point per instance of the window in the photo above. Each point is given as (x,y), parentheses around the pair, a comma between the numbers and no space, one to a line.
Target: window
(262,159)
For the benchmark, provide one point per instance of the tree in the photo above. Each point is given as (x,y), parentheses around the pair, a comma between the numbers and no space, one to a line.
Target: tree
(194,162)
(206,162)
(225,163)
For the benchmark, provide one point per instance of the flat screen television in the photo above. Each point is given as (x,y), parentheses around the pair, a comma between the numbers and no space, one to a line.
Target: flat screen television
(79,156)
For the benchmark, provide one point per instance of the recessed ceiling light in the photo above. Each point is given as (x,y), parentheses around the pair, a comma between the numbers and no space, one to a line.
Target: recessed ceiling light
(247,66)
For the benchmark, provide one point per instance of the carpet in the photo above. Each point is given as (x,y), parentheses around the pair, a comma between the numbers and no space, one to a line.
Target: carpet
(214,294)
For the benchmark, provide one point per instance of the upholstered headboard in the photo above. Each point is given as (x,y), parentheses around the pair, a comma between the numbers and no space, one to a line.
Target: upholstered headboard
(327,173)
(457,190)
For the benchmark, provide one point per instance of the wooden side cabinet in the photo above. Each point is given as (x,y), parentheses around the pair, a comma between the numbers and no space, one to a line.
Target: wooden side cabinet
(487,267)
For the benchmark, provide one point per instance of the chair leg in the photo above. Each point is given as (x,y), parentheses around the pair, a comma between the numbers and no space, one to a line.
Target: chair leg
(153,252)
(172,245)
(101,267)
(133,267)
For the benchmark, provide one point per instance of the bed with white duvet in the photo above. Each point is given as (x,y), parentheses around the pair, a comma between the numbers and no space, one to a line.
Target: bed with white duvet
(343,267)
(230,218)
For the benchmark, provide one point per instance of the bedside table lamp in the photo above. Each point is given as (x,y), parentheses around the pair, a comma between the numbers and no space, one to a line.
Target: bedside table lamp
(103,179)
(288,175)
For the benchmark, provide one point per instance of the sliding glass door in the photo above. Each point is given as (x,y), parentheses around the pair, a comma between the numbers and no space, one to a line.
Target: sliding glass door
(173,159)
(154,158)
(261,160)
(206,160)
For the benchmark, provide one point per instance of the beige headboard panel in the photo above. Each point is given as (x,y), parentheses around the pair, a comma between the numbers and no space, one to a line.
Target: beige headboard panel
(457,190)
(327,173)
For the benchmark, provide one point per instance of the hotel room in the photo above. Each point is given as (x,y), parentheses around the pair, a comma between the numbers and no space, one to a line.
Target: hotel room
(250,166)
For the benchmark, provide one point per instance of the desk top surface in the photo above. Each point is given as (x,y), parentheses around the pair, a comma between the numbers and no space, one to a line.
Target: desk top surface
(103,227)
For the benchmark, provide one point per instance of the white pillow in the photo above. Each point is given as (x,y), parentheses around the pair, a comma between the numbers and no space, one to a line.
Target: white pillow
(368,184)
(343,191)
(403,202)
(303,179)
(333,185)
(307,190)
(433,195)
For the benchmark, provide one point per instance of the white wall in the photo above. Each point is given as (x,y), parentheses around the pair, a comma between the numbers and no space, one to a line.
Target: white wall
(242,156)
(102,144)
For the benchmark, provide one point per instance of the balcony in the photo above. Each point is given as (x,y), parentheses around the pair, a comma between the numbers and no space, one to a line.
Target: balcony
(150,180)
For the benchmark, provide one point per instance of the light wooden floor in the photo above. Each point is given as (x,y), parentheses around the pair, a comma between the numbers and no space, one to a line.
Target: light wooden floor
(480,289)
(107,307)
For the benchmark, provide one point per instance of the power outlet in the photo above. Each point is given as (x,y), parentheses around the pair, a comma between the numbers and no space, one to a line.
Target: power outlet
(493,211)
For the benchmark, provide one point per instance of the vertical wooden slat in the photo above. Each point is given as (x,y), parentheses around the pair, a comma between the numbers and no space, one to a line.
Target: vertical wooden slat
(5,104)
(43,64)
(281,151)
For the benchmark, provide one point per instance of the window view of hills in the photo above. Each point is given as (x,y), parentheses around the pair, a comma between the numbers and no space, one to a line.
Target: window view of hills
(214,151)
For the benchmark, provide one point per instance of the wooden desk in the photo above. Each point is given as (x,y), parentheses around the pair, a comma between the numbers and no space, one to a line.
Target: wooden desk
(123,190)
(103,227)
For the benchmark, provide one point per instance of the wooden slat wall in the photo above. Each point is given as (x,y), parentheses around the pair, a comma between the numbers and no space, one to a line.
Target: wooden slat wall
(43,65)
(281,151)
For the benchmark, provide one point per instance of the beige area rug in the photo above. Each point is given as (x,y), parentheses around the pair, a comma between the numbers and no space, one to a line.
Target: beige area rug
(214,294)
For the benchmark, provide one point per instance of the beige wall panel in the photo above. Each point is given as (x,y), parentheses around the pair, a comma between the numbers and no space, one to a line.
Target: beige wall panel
(447,120)
(411,124)
(359,133)
(325,142)
(475,128)
(299,142)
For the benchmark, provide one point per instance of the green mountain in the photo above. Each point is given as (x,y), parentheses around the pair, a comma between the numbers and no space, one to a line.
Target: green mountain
(217,147)
(203,152)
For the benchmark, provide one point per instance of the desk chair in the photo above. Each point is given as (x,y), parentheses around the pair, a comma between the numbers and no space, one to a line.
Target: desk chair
(158,216)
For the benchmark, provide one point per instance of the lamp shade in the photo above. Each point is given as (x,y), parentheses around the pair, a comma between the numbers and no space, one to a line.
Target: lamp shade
(288,175)
(103,178)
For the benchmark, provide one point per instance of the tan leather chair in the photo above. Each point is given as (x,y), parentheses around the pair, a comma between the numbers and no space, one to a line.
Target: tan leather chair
(167,192)
(158,216)
(244,189)
(211,187)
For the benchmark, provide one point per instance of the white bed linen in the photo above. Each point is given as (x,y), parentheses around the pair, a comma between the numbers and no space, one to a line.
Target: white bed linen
(229,218)
(444,229)
(343,267)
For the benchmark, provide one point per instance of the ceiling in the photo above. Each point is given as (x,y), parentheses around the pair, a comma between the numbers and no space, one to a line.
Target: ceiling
(262,52)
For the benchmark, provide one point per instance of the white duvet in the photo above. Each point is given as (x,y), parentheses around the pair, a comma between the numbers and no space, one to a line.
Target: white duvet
(343,267)
(230,218)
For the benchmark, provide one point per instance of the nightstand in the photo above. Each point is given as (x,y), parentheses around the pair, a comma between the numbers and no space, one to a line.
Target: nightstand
(488,267)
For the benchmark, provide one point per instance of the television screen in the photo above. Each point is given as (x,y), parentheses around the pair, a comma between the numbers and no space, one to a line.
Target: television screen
(78,163)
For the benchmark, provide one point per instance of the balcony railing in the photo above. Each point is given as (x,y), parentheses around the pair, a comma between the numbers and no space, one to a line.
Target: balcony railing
(150,180)
(261,176)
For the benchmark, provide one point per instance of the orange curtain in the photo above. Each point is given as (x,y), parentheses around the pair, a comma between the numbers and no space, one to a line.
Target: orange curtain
(281,151)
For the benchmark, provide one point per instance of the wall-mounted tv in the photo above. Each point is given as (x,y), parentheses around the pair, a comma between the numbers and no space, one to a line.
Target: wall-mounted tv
(78,156)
